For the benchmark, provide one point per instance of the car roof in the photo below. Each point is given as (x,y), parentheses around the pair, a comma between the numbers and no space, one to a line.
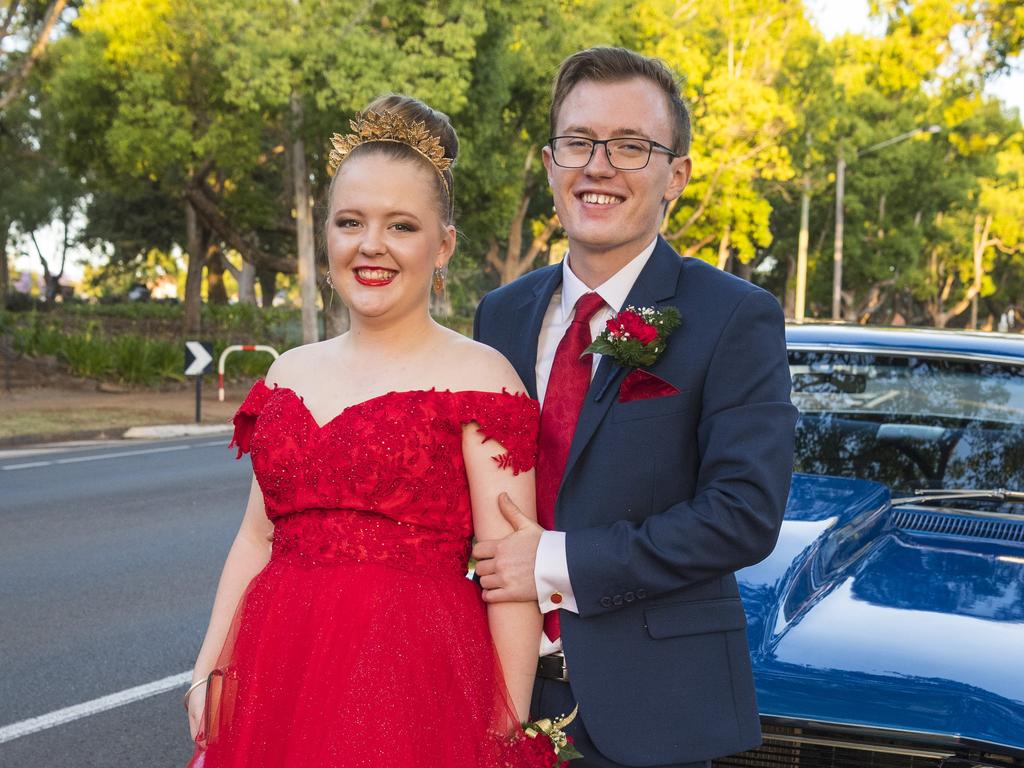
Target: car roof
(929,341)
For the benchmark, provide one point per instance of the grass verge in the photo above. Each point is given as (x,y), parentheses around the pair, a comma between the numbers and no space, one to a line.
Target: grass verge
(57,422)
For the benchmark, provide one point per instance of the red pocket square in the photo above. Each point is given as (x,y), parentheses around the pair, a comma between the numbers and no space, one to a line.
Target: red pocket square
(643,385)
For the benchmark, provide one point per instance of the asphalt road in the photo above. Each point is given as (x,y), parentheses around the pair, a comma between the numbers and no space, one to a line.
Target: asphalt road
(109,558)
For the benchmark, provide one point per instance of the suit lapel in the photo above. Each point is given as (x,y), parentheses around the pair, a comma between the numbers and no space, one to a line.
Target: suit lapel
(657,282)
(527,323)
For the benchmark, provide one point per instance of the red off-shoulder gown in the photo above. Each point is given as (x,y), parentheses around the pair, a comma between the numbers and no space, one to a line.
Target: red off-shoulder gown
(362,643)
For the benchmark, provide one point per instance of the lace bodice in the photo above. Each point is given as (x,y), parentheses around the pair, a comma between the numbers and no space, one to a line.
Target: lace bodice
(389,470)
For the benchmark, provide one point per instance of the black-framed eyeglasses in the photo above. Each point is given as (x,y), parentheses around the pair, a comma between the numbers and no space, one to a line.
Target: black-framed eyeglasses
(628,153)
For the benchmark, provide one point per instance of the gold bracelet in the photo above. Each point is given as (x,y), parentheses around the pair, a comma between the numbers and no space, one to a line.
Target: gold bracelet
(192,687)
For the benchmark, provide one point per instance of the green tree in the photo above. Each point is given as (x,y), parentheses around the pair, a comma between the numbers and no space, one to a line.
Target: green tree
(507,214)
(198,98)
(731,55)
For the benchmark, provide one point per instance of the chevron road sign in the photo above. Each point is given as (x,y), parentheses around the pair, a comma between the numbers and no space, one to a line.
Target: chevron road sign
(198,356)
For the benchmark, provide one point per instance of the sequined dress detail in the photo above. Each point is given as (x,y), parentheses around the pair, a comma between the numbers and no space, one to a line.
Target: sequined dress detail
(362,643)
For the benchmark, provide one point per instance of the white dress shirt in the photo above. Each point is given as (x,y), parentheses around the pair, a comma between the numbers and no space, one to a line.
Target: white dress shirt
(551,572)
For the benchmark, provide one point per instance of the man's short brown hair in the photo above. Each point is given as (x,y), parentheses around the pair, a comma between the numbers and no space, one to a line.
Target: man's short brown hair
(608,65)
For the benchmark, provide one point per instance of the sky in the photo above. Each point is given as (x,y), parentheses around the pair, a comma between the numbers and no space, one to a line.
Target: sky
(833,18)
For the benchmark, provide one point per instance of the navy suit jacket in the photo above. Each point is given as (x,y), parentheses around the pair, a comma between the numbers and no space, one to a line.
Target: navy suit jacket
(663,499)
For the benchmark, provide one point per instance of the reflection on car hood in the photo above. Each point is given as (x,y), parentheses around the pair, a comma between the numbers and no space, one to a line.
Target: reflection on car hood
(855,619)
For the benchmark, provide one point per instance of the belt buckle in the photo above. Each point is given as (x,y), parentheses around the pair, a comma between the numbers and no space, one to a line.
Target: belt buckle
(564,676)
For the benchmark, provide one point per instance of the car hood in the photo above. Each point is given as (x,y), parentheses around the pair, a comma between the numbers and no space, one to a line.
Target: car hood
(859,617)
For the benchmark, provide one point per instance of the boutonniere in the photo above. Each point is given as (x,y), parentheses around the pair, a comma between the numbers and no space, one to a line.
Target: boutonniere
(541,744)
(636,336)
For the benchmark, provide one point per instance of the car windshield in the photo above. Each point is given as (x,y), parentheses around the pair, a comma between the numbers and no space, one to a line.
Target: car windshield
(910,422)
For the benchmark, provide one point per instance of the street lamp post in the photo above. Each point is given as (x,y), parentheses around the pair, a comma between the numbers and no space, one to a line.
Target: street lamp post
(837,250)
(837,253)
(801,250)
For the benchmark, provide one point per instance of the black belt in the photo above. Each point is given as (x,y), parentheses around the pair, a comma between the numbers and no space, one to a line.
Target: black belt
(552,667)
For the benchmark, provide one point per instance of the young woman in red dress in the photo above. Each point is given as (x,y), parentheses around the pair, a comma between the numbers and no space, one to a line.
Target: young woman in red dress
(355,638)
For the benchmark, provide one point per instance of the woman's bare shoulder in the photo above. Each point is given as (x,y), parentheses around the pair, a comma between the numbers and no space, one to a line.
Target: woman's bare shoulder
(296,365)
(480,367)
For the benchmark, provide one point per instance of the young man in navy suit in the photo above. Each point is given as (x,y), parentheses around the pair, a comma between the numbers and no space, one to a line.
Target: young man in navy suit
(661,480)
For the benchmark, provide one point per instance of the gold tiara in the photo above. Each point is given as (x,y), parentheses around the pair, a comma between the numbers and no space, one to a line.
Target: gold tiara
(370,127)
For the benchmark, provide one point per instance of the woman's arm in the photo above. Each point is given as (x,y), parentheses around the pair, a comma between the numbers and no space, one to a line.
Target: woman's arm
(248,555)
(515,627)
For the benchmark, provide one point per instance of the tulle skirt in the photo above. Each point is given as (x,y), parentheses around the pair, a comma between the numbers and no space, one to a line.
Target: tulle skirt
(355,665)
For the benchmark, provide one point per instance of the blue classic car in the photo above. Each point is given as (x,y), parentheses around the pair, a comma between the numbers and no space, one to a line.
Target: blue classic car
(887,628)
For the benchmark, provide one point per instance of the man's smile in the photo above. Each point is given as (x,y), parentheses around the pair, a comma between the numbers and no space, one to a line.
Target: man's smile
(597,198)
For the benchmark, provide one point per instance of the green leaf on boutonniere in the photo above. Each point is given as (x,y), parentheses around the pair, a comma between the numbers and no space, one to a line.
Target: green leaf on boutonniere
(569,752)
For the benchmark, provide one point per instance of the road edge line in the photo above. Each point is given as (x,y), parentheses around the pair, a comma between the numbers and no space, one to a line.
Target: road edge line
(94,707)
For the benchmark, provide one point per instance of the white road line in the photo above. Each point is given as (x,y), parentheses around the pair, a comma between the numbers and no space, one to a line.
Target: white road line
(121,454)
(28,465)
(100,456)
(94,707)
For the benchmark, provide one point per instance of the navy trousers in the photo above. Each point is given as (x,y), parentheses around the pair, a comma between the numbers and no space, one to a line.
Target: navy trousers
(553,698)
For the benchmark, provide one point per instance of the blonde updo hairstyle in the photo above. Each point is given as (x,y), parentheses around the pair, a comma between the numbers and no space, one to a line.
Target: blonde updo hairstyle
(437,124)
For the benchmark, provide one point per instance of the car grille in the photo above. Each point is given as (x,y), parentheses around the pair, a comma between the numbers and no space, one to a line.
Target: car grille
(953,525)
(793,747)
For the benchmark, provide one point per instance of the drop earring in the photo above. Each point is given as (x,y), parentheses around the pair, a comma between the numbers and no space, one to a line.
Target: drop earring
(438,281)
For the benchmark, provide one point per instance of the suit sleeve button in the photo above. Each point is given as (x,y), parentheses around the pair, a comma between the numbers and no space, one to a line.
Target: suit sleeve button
(617,600)
(606,602)
(629,597)
(641,594)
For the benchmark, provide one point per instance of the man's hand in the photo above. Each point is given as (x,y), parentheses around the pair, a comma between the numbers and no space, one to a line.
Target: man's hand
(505,566)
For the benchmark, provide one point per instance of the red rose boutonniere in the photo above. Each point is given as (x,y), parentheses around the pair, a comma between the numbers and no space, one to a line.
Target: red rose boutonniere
(636,337)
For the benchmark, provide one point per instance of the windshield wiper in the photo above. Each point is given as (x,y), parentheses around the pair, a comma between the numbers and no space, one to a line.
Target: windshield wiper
(924,495)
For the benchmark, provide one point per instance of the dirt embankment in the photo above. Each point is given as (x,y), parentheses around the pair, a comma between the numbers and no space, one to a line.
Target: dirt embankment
(40,402)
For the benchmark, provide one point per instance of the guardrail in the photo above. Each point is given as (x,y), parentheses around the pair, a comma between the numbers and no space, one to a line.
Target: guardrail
(238,348)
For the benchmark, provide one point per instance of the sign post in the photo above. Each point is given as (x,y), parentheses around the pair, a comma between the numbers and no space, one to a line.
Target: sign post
(198,356)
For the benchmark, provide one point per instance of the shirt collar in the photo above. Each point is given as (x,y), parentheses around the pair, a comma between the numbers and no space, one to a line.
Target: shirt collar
(614,290)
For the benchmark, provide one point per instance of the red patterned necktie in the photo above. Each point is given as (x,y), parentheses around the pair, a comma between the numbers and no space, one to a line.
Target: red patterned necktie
(566,391)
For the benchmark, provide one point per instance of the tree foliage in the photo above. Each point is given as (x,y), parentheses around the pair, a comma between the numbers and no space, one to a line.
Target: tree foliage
(171,125)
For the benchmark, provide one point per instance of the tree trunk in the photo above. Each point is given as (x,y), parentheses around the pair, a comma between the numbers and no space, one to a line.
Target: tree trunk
(247,284)
(304,225)
(723,248)
(216,291)
(789,292)
(16,79)
(5,284)
(744,269)
(872,303)
(51,281)
(979,245)
(212,218)
(245,277)
(981,242)
(515,262)
(336,316)
(268,286)
(196,244)
(800,289)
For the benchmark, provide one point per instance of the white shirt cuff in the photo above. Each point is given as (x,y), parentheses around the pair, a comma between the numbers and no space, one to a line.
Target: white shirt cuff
(551,574)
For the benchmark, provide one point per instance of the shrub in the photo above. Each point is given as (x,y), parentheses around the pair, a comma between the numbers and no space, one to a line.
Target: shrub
(141,343)
(34,335)
(138,360)
(87,357)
